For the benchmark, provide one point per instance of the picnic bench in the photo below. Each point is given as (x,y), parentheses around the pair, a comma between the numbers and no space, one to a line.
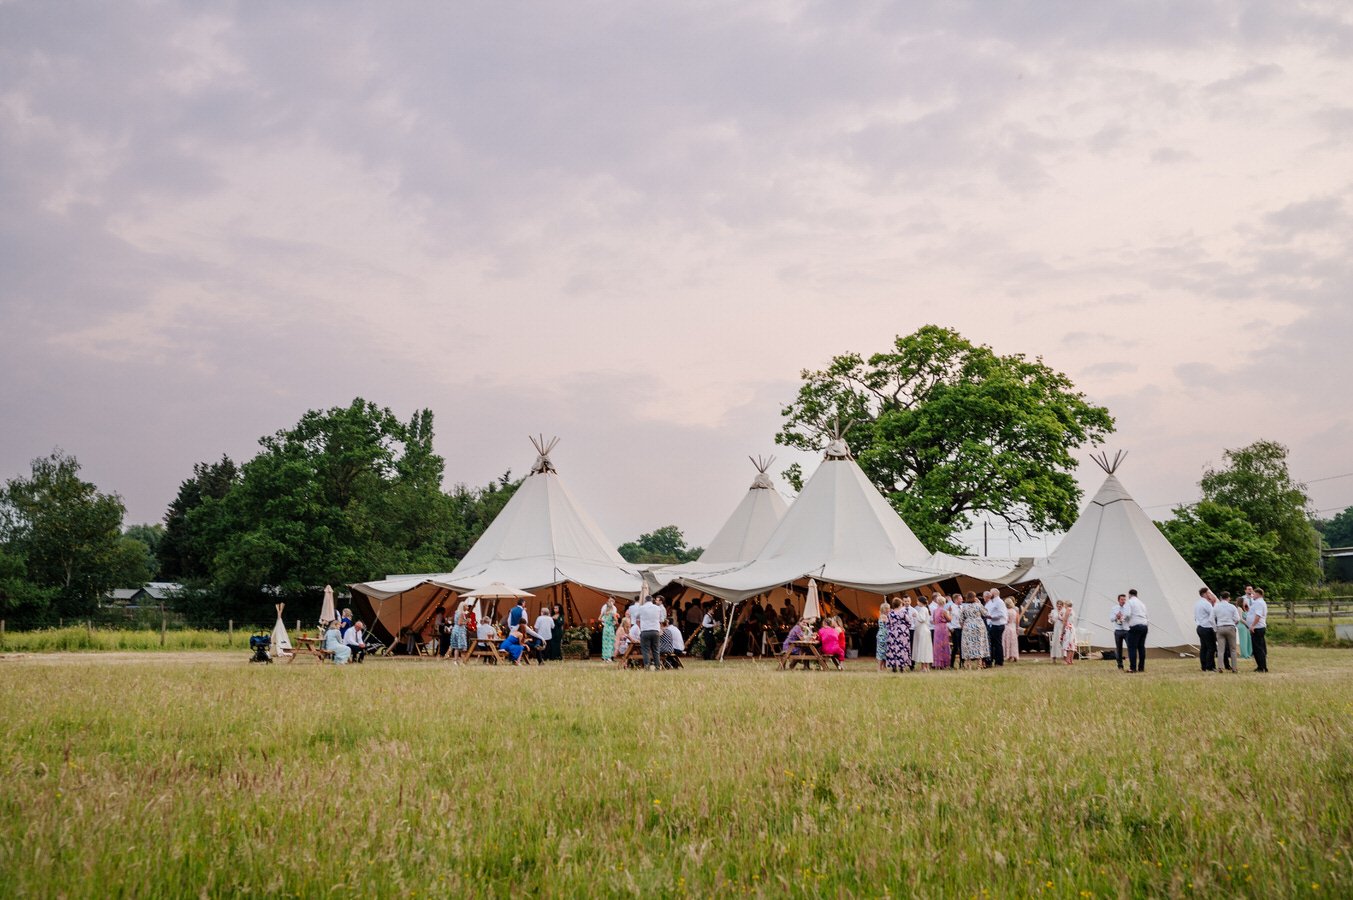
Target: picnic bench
(809,654)
(308,646)
(485,648)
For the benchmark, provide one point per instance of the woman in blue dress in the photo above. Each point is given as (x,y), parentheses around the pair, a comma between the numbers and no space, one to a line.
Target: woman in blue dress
(898,654)
(333,641)
(513,646)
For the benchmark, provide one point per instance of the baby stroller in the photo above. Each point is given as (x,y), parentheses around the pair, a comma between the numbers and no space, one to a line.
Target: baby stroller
(259,643)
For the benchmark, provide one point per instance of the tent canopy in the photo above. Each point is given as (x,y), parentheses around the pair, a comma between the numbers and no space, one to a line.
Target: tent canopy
(1115,546)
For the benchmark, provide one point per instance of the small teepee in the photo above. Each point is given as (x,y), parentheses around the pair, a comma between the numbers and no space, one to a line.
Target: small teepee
(281,644)
(752,522)
(1114,546)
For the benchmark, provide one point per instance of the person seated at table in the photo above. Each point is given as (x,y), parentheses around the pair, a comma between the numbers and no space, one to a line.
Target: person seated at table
(797,633)
(356,640)
(833,638)
(622,642)
(333,642)
(515,645)
(671,646)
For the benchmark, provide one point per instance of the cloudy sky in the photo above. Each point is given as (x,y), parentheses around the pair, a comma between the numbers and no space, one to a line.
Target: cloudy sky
(632,224)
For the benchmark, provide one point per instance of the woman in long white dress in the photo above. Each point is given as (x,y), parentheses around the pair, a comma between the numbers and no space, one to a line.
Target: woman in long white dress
(1055,644)
(1069,634)
(922,642)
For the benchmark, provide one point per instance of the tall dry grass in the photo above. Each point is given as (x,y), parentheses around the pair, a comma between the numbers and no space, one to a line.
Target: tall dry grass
(402,778)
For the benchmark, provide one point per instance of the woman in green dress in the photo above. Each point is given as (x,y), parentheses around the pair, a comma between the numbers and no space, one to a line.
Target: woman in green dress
(1243,632)
(609,617)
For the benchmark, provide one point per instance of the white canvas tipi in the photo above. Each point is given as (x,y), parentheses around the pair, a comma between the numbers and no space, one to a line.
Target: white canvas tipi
(1115,546)
(752,522)
(840,531)
(281,644)
(543,538)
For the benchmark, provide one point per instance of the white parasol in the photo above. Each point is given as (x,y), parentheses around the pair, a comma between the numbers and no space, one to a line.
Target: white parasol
(497,591)
(810,607)
(326,612)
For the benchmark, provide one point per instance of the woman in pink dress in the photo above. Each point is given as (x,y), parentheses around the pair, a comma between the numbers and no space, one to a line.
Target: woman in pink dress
(940,622)
(1010,639)
(833,639)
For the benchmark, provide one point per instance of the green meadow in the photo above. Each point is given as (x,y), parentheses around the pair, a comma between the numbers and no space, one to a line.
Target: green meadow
(190,774)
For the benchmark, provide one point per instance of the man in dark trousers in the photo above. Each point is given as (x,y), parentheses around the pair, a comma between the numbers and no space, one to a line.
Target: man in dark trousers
(1137,629)
(1207,635)
(1257,620)
(1120,630)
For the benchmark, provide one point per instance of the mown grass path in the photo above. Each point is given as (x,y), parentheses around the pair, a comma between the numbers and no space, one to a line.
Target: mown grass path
(180,777)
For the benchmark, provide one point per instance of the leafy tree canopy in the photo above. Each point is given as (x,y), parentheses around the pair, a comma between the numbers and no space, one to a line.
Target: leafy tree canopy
(180,552)
(947,429)
(1338,531)
(1224,547)
(67,535)
(666,545)
(1255,481)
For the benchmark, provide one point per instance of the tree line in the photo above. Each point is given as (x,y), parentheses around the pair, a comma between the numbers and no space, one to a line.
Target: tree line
(947,430)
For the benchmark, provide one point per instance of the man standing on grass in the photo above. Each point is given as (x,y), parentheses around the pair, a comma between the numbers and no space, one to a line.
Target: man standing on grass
(650,618)
(1207,637)
(1225,617)
(996,617)
(1120,629)
(708,626)
(1258,622)
(1136,622)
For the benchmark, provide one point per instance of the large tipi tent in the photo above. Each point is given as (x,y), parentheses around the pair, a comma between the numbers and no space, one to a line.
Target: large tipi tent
(1115,546)
(842,532)
(545,543)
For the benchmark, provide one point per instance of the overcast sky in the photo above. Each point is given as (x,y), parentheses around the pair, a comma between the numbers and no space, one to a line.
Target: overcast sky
(633,224)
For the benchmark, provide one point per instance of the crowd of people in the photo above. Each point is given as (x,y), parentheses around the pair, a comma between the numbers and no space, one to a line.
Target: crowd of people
(958,631)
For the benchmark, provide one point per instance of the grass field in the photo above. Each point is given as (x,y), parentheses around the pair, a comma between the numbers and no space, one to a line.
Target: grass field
(146,775)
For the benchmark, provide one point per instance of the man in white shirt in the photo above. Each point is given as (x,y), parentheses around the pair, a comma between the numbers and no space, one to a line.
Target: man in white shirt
(1257,620)
(1225,617)
(708,626)
(671,645)
(1207,637)
(1136,622)
(1118,618)
(995,614)
(544,628)
(650,618)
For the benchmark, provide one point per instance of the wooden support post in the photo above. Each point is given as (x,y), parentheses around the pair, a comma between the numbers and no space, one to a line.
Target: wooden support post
(230,632)
(1331,616)
(2,634)
(164,624)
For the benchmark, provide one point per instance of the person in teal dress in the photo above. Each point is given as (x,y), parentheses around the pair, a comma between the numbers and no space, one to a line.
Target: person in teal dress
(881,642)
(1243,633)
(609,617)
(333,642)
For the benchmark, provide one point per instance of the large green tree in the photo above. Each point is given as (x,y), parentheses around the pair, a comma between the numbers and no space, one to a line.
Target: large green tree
(661,545)
(348,494)
(1255,481)
(182,550)
(947,429)
(67,534)
(1223,546)
(1338,532)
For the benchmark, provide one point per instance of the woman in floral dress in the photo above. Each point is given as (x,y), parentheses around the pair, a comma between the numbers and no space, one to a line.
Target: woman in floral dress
(975,646)
(898,655)
(609,617)
(940,623)
(881,642)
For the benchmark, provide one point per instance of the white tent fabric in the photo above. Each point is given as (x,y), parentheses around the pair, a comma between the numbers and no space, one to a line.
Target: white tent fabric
(281,642)
(542,538)
(841,531)
(1112,547)
(750,525)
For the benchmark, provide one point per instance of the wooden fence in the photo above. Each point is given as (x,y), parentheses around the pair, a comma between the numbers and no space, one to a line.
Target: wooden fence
(1326,608)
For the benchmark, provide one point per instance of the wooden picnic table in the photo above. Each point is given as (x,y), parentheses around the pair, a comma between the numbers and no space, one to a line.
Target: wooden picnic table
(308,646)
(809,653)
(489,650)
